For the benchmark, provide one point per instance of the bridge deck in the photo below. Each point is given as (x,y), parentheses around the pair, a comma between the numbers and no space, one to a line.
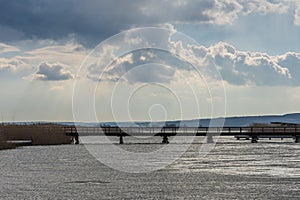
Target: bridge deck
(239,132)
(184,131)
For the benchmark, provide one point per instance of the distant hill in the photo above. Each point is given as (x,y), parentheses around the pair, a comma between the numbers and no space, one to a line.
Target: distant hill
(248,120)
(229,121)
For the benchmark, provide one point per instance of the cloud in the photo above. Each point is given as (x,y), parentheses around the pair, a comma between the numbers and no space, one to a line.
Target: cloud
(297,17)
(235,67)
(52,72)
(12,68)
(291,61)
(57,88)
(242,67)
(4,48)
(20,60)
(10,64)
(94,20)
(71,54)
(248,68)
(265,6)
(143,66)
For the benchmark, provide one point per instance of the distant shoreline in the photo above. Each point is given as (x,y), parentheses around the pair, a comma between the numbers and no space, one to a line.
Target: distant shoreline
(234,121)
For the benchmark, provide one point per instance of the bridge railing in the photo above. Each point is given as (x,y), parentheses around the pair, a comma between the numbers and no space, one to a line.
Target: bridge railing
(239,132)
(184,130)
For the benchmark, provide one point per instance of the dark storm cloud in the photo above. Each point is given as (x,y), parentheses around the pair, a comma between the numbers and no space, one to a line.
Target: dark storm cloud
(89,19)
(95,20)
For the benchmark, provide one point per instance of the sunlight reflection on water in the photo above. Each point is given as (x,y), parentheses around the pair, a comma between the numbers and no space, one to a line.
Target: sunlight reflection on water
(231,170)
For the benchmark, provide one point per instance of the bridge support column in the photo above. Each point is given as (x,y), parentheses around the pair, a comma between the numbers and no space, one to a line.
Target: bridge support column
(254,139)
(165,140)
(297,139)
(121,140)
(209,139)
(76,139)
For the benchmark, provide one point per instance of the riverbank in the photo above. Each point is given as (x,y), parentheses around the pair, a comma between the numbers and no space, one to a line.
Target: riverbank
(4,145)
(38,134)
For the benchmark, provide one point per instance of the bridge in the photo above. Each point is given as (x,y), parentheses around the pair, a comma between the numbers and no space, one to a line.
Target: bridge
(209,132)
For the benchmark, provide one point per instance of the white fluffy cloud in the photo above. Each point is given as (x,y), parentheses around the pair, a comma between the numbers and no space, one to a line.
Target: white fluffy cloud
(249,68)
(214,11)
(143,66)
(297,17)
(53,72)
(10,64)
(265,6)
(24,60)
(236,67)
(227,11)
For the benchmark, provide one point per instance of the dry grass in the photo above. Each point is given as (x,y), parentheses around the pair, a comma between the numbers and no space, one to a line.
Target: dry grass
(39,134)
(3,143)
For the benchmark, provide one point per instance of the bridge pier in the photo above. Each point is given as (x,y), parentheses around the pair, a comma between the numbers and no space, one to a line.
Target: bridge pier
(76,139)
(254,139)
(165,140)
(209,139)
(297,139)
(121,139)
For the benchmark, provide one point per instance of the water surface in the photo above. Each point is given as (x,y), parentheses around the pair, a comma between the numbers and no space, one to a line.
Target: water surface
(234,169)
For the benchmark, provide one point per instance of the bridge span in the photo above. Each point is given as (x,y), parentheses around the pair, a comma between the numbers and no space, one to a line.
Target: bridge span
(253,133)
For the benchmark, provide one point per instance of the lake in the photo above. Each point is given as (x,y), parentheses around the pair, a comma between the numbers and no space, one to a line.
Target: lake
(232,170)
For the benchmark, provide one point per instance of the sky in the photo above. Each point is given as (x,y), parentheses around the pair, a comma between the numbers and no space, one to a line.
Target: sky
(67,59)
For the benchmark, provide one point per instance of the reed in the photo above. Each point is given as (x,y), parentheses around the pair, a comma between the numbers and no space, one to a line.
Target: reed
(39,134)
(3,142)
